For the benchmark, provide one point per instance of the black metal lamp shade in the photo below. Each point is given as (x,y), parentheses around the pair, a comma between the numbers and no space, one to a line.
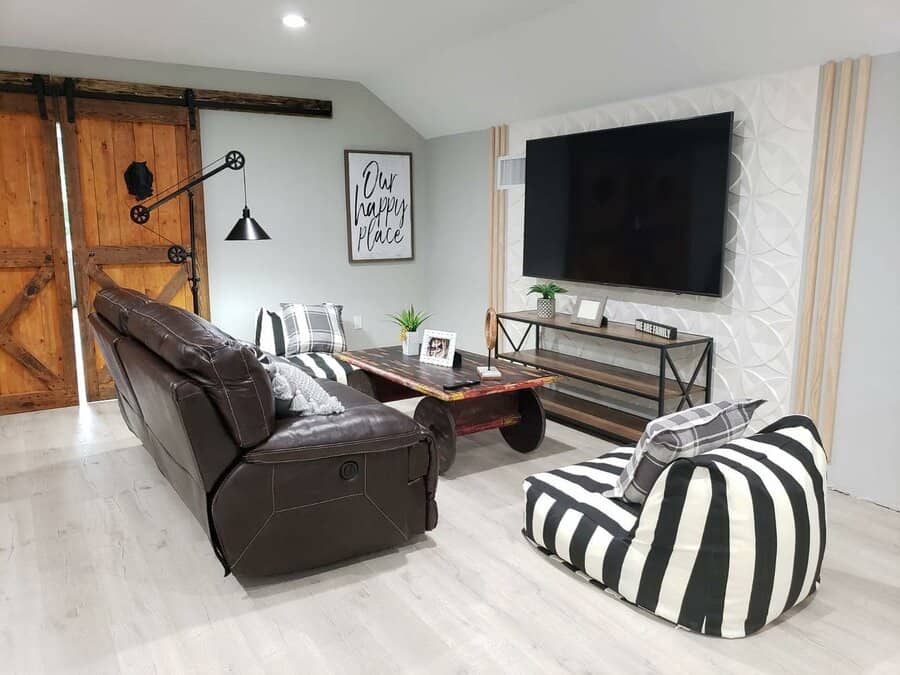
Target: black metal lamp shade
(246,229)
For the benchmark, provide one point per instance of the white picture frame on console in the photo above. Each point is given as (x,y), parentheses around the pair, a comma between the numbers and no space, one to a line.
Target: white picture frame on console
(589,312)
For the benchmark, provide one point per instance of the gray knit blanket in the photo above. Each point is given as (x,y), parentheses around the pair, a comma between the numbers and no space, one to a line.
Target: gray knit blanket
(305,394)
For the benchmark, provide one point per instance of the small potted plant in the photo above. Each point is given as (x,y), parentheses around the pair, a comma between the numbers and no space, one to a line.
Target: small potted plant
(409,321)
(546,304)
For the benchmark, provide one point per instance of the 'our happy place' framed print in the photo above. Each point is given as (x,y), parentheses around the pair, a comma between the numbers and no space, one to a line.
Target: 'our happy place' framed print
(379,205)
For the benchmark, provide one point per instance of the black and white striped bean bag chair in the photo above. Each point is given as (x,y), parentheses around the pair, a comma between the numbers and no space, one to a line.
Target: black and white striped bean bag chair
(725,543)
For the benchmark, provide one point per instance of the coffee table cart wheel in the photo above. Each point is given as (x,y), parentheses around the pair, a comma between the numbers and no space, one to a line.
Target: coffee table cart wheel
(528,433)
(435,416)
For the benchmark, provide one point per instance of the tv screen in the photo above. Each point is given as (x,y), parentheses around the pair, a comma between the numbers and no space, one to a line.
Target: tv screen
(639,206)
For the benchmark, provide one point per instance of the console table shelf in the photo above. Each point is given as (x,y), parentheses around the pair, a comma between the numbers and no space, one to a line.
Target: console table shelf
(630,381)
(667,384)
(586,413)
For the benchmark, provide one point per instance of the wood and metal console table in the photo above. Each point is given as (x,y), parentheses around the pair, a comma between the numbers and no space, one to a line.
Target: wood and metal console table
(603,419)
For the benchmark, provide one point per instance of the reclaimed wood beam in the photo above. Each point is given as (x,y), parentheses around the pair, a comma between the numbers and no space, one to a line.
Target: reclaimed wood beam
(34,365)
(129,255)
(25,257)
(200,99)
(173,285)
(25,296)
(100,276)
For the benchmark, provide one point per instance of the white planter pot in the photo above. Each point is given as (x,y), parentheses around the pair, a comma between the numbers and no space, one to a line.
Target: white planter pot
(412,343)
(546,308)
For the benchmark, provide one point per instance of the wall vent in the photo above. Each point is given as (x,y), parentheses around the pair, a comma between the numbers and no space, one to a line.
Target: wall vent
(510,171)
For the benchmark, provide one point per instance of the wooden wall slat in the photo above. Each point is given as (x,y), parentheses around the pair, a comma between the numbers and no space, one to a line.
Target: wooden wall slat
(833,208)
(829,233)
(813,234)
(844,251)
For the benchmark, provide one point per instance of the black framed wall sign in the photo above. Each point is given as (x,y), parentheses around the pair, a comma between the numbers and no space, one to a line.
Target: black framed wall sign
(379,205)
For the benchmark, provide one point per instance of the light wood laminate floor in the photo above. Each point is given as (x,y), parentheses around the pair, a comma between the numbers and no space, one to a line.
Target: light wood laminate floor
(103,570)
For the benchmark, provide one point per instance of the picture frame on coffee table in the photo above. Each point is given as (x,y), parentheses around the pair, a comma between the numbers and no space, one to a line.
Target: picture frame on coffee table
(589,311)
(438,348)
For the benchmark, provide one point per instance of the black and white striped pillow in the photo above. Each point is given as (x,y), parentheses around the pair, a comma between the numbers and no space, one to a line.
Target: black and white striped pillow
(270,331)
(315,364)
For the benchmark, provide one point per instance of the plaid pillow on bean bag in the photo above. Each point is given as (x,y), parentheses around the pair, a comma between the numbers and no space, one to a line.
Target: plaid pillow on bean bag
(687,433)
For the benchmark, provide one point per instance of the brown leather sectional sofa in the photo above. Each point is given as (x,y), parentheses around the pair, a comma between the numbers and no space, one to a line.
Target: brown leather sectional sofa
(274,495)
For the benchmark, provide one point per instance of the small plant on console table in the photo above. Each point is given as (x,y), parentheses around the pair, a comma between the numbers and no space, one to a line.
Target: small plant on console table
(409,321)
(546,304)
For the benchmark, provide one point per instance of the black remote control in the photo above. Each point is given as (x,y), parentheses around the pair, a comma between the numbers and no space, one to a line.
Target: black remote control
(460,385)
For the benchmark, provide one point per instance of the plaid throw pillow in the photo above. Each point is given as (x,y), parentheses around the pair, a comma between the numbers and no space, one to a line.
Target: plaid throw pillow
(681,434)
(313,328)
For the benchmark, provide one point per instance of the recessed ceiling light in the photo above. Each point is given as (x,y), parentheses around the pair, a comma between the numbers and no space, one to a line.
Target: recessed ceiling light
(293,21)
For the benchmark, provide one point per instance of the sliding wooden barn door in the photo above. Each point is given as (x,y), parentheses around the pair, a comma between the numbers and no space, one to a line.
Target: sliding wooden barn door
(109,249)
(37,348)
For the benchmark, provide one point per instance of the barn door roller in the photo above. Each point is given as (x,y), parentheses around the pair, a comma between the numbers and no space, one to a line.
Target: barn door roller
(40,91)
(69,93)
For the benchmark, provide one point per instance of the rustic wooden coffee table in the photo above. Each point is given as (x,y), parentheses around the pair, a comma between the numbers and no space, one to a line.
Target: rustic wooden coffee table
(509,404)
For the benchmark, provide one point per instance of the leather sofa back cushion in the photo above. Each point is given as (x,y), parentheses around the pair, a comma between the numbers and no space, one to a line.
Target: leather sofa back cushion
(115,304)
(233,379)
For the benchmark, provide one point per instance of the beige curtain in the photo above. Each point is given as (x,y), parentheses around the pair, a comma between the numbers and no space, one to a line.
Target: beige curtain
(497,224)
(841,124)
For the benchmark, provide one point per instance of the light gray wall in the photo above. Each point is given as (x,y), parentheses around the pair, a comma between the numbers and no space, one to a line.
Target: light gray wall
(295,181)
(866,453)
(456,173)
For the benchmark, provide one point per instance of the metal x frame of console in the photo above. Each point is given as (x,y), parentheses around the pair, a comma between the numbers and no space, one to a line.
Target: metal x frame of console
(665,362)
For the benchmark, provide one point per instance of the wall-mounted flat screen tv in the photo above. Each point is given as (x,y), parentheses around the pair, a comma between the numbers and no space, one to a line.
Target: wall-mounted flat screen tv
(640,206)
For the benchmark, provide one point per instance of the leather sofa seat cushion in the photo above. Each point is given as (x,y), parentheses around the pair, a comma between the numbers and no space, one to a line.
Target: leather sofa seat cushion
(365,426)
(115,304)
(228,371)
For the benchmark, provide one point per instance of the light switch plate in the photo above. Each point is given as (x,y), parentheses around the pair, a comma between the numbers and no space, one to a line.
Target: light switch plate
(357,322)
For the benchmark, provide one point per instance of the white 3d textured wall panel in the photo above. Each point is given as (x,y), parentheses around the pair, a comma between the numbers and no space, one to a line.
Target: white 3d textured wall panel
(754,322)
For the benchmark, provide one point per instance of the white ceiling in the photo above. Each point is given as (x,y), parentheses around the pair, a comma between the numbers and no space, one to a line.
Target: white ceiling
(455,66)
